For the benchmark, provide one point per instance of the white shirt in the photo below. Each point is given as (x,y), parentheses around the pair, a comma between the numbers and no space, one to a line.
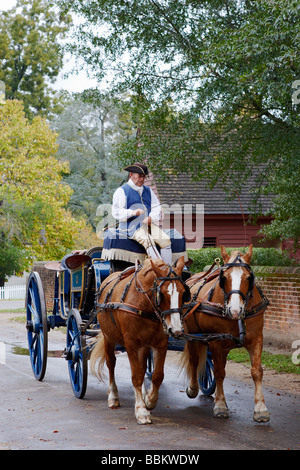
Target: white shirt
(122,214)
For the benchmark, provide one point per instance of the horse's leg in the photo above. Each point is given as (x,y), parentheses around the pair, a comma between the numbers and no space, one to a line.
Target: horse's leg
(138,369)
(219,359)
(159,356)
(261,414)
(113,397)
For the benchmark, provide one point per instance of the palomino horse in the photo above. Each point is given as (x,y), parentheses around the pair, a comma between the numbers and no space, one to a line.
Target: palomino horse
(227,302)
(134,311)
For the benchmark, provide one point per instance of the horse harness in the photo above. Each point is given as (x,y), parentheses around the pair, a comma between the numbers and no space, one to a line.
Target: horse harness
(211,308)
(153,294)
(219,310)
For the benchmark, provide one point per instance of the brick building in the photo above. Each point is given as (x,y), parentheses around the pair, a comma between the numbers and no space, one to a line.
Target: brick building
(223,218)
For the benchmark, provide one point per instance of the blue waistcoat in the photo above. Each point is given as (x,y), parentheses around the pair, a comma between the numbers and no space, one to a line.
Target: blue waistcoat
(135,201)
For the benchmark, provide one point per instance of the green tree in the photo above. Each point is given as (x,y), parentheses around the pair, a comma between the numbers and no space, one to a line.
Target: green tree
(227,68)
(11,259)
(34,224)
(31,54)
(87,132)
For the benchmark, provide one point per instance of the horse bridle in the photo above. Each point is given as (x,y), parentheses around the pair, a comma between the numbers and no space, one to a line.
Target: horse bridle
(157,295)
(237,262)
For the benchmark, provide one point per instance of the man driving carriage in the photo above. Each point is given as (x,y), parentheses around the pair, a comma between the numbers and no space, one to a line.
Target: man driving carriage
(138,211)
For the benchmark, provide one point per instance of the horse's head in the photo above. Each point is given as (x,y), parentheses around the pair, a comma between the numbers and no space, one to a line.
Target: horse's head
(170,292)
(237,281)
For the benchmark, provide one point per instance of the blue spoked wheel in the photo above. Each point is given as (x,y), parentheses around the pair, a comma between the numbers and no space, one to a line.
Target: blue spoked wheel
(150,365)
(207,383)
(76,354)
(37,327)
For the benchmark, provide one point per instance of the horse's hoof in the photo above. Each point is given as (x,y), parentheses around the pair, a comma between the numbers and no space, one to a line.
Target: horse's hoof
(145,419)
(192,392)
(114,404)
(261,416)
(221,413)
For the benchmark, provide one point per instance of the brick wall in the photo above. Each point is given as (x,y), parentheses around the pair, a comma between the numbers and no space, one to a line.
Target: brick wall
(282,318)
(48,281)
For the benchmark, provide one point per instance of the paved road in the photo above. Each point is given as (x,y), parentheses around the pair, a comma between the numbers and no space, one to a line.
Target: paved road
(46,415)
(6,305)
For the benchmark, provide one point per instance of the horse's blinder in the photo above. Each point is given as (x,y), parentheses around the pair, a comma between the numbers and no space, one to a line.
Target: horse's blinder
(157,295)
(187,294)
(236,263)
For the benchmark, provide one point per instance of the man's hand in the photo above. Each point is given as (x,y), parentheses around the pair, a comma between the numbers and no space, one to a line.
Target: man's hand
(138,212)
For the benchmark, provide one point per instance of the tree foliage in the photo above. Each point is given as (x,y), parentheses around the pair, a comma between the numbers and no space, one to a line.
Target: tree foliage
(31,55)
(34,224)
(87,132)
(212,88)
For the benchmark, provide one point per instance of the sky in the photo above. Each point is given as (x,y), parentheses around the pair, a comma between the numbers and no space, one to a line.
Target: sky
(75,83)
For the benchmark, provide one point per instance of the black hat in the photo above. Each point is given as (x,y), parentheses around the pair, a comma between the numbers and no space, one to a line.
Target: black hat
(137,168)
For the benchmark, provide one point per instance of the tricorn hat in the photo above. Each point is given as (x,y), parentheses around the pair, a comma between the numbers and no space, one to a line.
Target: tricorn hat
(137,168)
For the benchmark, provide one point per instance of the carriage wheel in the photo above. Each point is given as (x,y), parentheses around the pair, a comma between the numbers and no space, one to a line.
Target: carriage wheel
(37,327)
(207,383)
(76,354)
(150,365)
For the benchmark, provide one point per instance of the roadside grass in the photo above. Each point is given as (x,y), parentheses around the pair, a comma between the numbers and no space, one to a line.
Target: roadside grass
(13,310)
(278,362)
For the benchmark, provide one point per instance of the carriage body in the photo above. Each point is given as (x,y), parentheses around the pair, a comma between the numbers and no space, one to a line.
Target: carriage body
(77,281)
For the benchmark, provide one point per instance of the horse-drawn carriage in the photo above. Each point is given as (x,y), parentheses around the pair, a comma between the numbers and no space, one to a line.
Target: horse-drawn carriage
(92,298)
(78,278)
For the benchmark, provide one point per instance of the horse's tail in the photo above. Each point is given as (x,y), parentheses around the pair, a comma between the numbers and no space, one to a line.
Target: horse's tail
(194,356)
(97,358)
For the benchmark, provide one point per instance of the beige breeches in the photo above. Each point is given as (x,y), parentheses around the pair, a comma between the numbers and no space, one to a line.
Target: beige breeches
(146,239)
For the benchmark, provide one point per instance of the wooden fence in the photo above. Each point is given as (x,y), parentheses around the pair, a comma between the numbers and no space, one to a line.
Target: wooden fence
(13,292)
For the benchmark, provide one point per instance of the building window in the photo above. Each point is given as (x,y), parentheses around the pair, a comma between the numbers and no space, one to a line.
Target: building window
(209,242)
